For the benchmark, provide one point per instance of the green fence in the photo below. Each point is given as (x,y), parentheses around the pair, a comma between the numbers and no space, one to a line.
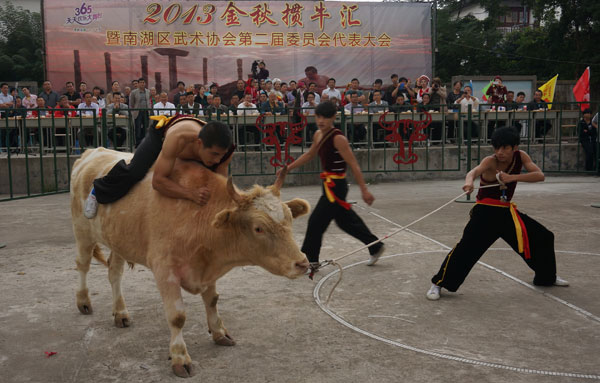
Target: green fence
(37,150)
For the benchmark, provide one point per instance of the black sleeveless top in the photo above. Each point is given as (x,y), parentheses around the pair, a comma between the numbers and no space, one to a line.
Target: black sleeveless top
(331,160)
(495,192)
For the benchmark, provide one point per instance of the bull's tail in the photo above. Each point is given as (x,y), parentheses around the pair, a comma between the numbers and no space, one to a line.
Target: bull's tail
(99,255)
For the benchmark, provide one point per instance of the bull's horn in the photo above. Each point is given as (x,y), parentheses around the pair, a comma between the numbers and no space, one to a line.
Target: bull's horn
(235,196)
(279,181)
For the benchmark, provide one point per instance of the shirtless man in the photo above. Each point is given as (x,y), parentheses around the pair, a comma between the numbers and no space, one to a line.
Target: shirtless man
(185,138)
(313,76)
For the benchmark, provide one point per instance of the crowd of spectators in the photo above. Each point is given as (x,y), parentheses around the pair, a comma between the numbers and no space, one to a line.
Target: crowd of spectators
(265,94)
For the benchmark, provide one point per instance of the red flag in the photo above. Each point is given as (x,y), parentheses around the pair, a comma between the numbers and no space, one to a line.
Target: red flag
(581,90)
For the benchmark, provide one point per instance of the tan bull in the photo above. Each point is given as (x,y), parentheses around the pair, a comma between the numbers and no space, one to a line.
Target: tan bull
(185,245)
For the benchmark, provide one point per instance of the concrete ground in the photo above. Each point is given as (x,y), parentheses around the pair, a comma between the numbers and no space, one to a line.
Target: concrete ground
(378,326)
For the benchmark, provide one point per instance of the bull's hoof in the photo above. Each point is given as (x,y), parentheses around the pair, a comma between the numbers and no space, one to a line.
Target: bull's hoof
(183,370)
(225,340)
(85,308)
(122,320)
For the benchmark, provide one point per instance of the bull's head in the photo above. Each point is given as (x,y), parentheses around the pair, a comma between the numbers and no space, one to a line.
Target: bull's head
(262,224)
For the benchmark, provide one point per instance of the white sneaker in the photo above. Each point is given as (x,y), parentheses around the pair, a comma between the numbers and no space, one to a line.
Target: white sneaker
(560,282)
(375,257)
(91,206)
(434,293)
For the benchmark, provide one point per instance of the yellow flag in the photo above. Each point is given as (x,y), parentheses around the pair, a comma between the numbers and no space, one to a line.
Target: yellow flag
(548,91)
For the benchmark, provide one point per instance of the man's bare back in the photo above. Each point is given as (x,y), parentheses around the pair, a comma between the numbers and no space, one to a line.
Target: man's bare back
(184,138)
(182,142)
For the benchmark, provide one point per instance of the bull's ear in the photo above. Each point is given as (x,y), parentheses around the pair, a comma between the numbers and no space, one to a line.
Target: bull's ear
(222,218)
(298,207)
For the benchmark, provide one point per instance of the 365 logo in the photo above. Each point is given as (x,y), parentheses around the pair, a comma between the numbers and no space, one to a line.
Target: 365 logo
(84,15)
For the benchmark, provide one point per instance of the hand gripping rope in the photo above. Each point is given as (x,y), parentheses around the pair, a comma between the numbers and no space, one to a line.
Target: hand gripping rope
(503,187)
(335,260)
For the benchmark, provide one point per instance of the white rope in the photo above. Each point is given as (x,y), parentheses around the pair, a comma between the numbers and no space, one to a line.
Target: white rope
(335,260)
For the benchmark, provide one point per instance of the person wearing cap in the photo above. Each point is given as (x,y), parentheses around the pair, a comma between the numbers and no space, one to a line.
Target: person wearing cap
(277,89)
(422,87)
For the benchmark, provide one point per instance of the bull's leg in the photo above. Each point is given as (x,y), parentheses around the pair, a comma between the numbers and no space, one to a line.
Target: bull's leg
(215,324)
(170,290)
(115,273)
(83,260)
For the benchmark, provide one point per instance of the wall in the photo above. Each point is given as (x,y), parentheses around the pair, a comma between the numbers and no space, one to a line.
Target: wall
(378,168)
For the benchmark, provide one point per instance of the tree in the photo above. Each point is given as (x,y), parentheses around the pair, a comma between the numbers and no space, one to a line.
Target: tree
(563,41)
(20,44)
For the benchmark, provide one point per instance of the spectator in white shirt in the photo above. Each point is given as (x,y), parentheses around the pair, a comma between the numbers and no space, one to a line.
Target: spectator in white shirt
(29,100)
(331,91)
(353,106)
(246,106)
(378,105)
(87,107)
(312,87)
(467,100)
(358,131)
(97,92)
(6,100)
(246,125)
(164,107)
(310,104)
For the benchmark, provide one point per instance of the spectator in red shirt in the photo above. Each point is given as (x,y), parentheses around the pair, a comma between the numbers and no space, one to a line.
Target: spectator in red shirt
(497,92)
(63,103)
(41,104)
(497,95)
(252,89)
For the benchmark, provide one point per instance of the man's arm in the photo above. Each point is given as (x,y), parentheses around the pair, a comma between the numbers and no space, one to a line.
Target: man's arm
(309,154)
(534,173)
(165,185)
(341,144)
(477,171)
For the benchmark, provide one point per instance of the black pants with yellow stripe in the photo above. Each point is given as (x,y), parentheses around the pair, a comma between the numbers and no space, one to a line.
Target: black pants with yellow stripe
(487,224)
(347,220)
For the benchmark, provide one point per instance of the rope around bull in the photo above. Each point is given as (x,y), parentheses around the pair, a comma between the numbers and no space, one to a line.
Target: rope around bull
(334,261)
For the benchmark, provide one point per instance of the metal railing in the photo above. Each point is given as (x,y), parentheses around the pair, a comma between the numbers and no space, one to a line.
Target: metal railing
(37,149)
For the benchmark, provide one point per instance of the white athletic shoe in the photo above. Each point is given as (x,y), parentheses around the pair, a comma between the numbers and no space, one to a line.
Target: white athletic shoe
(434,293)
(375,257)
(91,207)
(560,282)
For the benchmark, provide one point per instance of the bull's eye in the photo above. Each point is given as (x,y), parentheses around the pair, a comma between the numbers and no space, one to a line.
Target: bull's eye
(258,230)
